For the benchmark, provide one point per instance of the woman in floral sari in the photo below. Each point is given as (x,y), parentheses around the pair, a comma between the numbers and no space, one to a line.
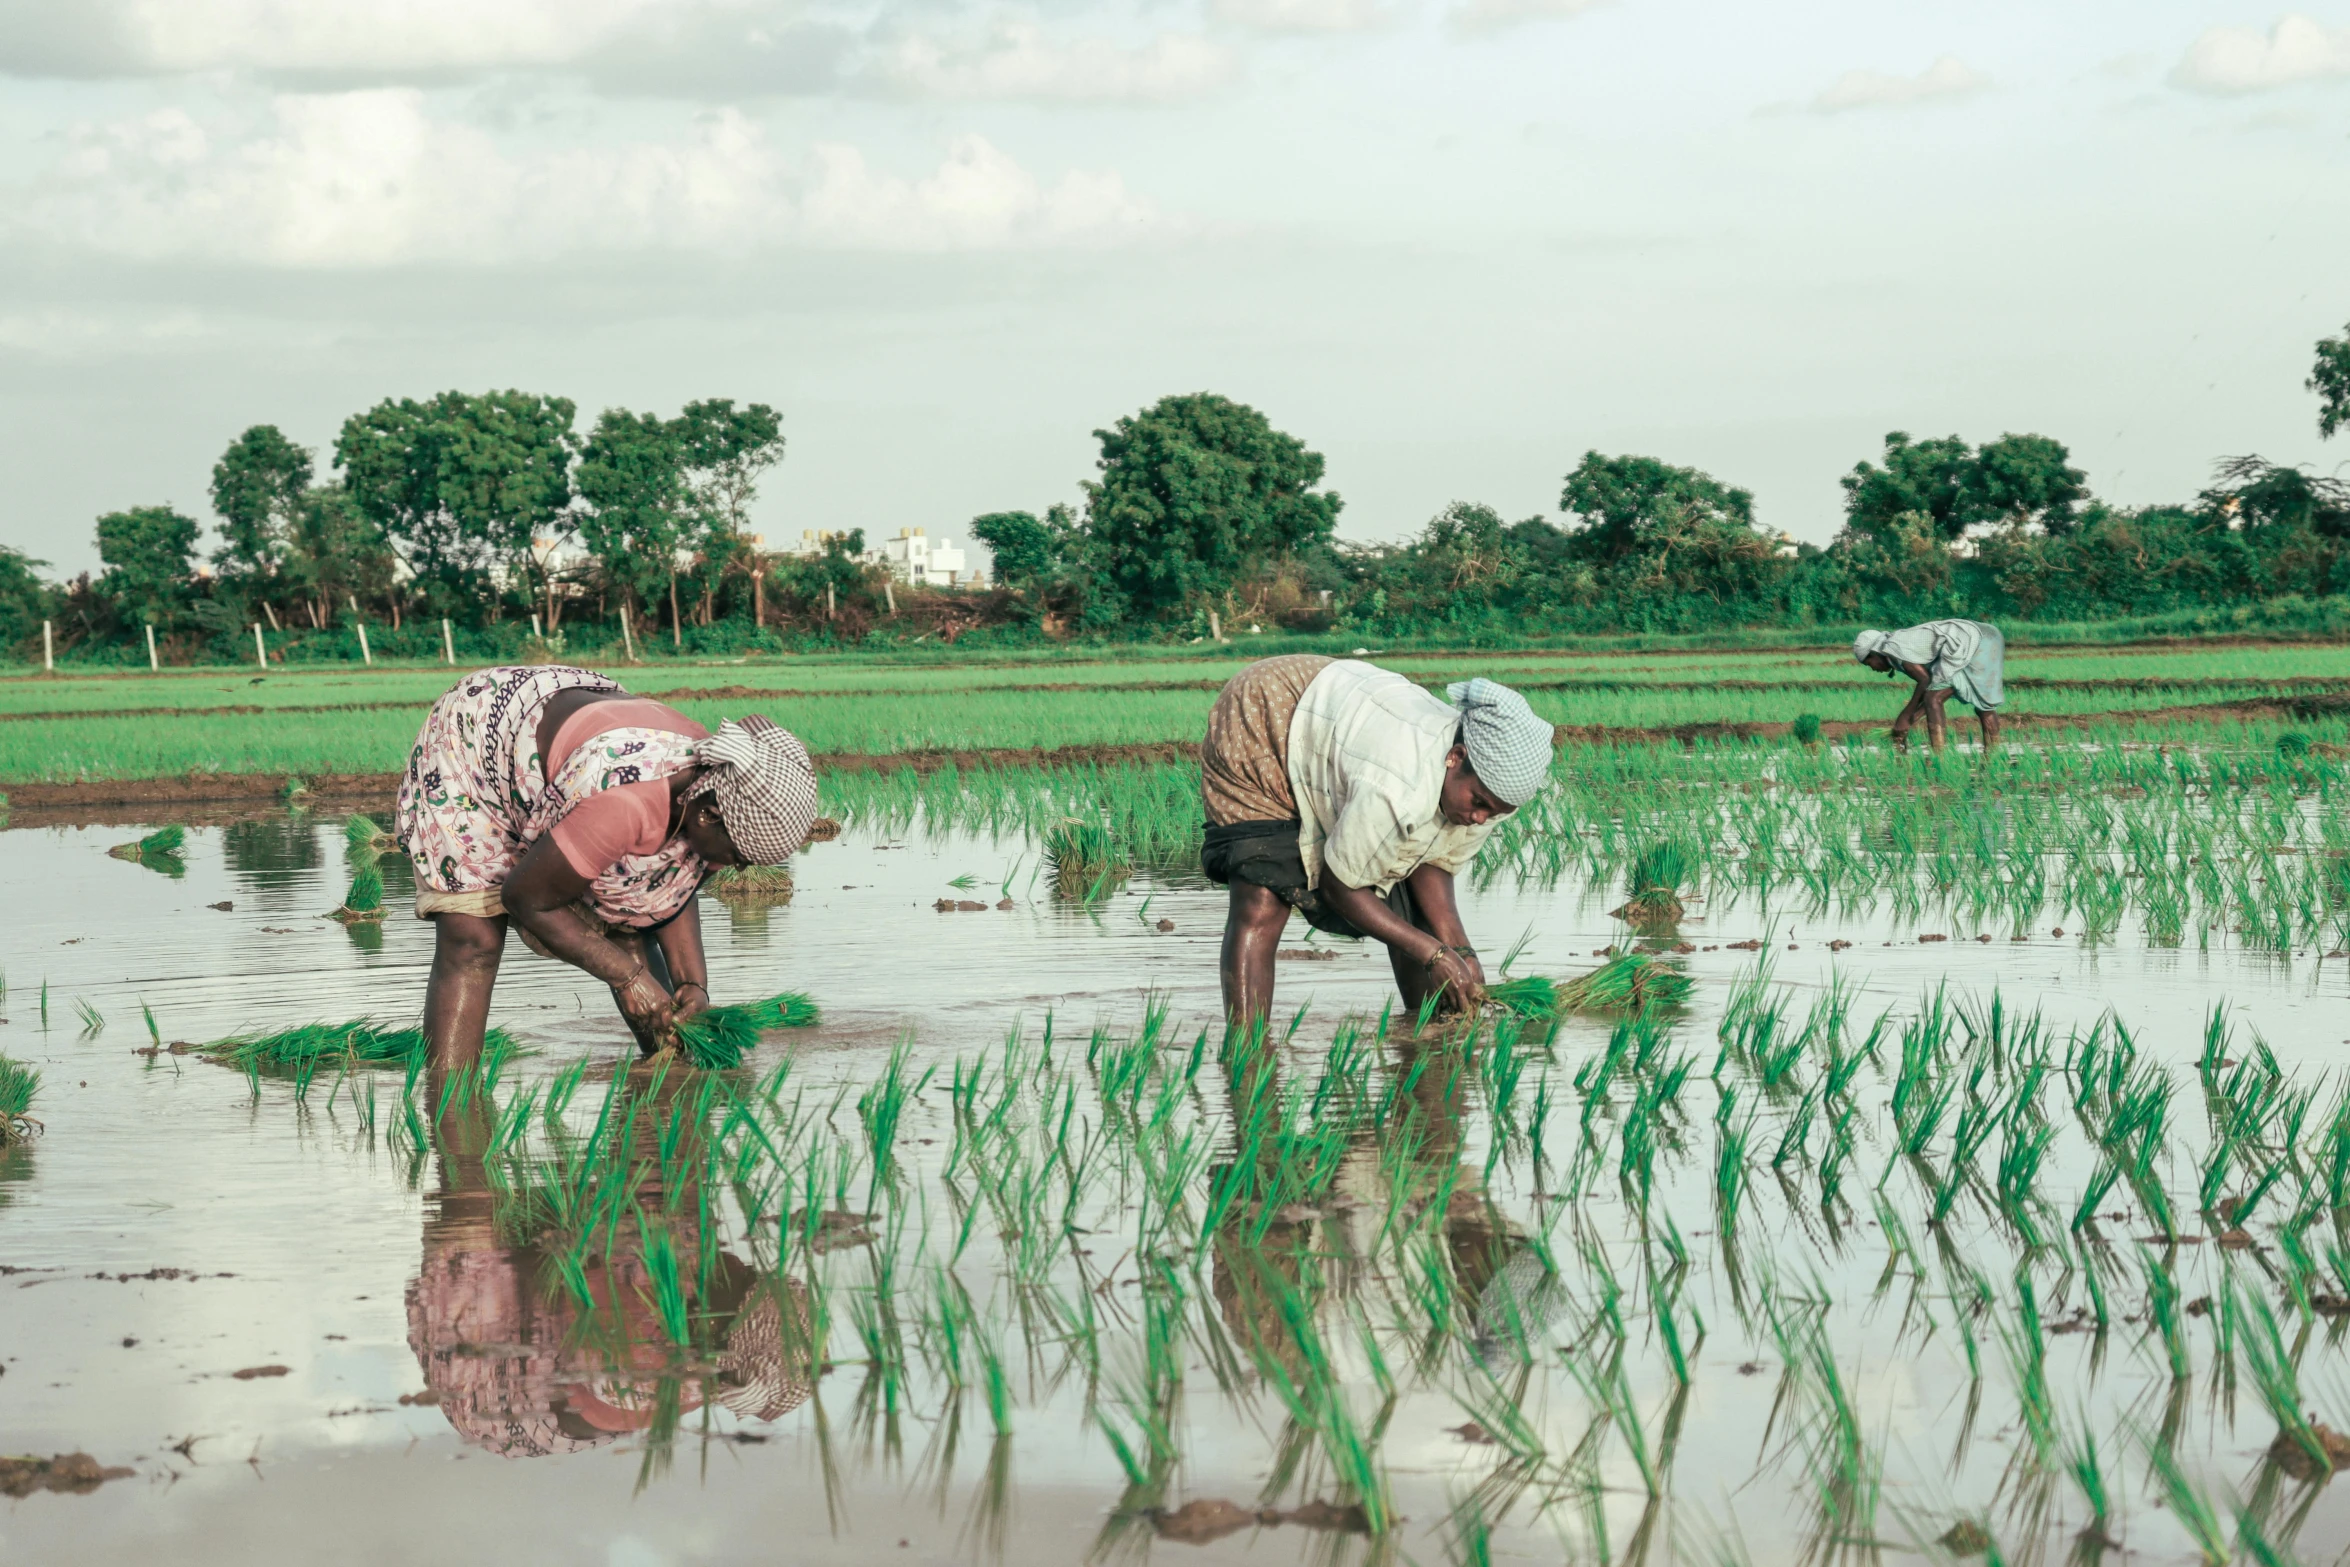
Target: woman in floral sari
(549,798)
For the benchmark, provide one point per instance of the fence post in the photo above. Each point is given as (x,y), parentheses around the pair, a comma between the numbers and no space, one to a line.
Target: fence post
(365,656)
(1215,626)
(627,637)
(48,647)
(536,634)
(448,647)
(831,606)
(891,594)
(260,648)
(152,661)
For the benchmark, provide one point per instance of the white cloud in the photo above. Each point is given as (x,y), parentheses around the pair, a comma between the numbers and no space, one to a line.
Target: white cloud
(1948,77)
(1302,16)
(367,37)
(2242,59)
(1017,61)
(366,179)
(1485,16)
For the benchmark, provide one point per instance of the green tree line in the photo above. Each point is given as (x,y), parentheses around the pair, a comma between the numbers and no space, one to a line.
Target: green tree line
(491,510)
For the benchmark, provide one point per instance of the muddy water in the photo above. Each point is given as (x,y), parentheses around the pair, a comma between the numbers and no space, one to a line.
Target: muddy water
(172,1229)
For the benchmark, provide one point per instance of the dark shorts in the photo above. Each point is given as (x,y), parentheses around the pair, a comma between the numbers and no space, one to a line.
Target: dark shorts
(1265,854)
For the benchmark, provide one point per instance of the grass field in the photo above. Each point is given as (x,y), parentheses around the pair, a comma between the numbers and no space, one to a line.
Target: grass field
(64,728)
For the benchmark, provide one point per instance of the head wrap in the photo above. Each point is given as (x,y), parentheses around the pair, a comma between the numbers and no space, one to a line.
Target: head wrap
(1869,642)
(764,785)
(1508,743)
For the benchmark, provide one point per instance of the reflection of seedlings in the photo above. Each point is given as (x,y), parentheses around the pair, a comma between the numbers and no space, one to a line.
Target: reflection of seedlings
(18,1084)
(751,886)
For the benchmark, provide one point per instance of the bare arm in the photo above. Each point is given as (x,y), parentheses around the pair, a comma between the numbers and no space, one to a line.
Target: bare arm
(1433,890)
(1369,913)
(689,969)
(1912,710)
(539,896)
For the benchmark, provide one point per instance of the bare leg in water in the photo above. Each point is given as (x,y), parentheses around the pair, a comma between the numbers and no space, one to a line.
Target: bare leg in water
(1252,935)
(465,953)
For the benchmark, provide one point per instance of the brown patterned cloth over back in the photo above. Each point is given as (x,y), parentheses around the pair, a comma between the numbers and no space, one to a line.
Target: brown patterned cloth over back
(1244,763)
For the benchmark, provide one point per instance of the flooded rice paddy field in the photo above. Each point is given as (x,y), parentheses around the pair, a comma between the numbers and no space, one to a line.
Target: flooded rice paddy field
(1010,1259)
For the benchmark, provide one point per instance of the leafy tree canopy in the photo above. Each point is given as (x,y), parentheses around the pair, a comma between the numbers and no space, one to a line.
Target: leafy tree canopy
(2016,479)
(1195,493)
(1026,547)
(1614,500)
(257,486)
(2330,380)
(632,474)
(149,553)
(24,597)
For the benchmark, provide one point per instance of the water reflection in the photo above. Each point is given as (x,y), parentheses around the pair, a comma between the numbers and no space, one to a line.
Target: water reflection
(529,1351)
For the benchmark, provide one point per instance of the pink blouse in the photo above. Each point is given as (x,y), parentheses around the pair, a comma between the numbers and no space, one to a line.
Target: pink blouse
(631,819)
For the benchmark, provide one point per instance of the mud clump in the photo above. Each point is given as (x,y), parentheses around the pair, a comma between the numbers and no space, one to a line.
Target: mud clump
(71,1474)
(252,1373)
(1205,1520)
(2300,1463)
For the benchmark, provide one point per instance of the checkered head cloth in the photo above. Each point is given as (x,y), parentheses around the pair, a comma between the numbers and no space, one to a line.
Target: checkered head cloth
(1508,743)
(765,787)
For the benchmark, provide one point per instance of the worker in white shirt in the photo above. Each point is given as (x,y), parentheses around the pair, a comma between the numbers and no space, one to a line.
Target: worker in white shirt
(1346,793)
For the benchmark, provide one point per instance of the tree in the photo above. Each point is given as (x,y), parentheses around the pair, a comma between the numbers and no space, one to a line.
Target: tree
(257,486)
(462,484)
(2020,479)
(2260,495)
(1195,493)
(1026,548)
(2330,380)
(149,553)
(725,449)
(25,599)
(632,474)
(336,554)
(1614,498)
(1927,478)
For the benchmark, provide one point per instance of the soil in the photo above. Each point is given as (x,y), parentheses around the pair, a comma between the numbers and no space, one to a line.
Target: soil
(71,1474)
(2289,1456)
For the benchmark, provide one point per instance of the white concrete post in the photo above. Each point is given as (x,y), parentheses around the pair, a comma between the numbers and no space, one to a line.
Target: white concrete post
(48,647)
(152,661)
(365,656)
(260,648)
(448,646)
(627,637)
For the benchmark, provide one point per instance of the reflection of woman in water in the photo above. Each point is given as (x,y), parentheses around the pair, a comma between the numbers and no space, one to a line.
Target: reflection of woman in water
(520,1368)
(549,797)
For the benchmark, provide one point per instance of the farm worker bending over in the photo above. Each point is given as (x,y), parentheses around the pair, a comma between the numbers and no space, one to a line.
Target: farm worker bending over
(1962,658)
(550,797)
(1347,793)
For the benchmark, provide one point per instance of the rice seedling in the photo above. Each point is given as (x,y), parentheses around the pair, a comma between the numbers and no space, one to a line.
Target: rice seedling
(364,1043)
(365,839)
(718,1039)
(1654,883)
(93,1020)
(1805,730)
(2187,1501)
(159,848)
(1631,983)
(751,886)
(18,1085)
(1083,858)
(365,899)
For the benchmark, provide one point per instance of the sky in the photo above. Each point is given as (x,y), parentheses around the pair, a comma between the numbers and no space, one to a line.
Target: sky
(1451,244)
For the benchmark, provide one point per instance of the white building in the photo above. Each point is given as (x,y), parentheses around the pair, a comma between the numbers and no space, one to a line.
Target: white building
(915,557)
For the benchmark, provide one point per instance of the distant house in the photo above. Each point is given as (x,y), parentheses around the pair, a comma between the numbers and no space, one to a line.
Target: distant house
(915,557)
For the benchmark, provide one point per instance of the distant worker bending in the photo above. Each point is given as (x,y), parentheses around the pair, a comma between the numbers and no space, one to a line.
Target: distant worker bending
(1346,793)
(1962,658)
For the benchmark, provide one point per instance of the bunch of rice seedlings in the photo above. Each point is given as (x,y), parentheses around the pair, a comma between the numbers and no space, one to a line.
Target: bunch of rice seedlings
(2292,744)
(364,1042)
(721,1037)
(365,900)
(752,886)
(1084,858)
(18,1084)
(1653,885)
(1630,982)
(366,838)
(1805,729)
(159,848)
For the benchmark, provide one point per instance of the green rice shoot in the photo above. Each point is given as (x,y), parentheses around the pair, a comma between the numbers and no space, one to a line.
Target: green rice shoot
(364,1042)
(366,837)
(18,1084)
(162,844)
(1629,983)
(719,1038)
(367,892)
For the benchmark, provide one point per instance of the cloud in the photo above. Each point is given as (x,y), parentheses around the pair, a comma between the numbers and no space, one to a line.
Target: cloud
(334,37)
(2242,59)
(1302,16)
(1485,16)
(1946,78)
(1017,61)
(371,179)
